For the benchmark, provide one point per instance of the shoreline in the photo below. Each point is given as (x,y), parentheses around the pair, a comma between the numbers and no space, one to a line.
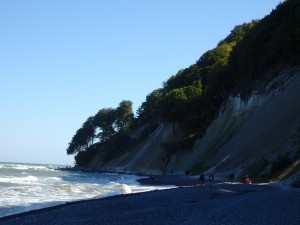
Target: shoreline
(186,204)
(163,180)
(159,180)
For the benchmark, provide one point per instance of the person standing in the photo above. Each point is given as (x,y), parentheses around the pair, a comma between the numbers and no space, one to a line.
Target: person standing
(201,179)
(231,177)
(211,178)
(247,180)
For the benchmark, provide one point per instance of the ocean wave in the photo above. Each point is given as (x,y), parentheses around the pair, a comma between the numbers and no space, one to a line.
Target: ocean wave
(53,179)
(126,189)
(18,180)
(25,185)
(21,166)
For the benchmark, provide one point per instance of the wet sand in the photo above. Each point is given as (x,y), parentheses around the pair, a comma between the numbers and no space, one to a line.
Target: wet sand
(175,180)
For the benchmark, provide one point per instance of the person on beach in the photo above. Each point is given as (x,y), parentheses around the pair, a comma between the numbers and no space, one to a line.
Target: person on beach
(151,177)
(187,172)
(201,179)
(231,177)
(211,178)
(247,180)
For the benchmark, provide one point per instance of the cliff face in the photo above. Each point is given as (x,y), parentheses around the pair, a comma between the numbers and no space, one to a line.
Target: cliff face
(261,127)
(147,157)
(264,126)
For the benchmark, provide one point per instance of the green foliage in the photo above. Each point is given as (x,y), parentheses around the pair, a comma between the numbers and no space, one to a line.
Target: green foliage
(234,65)
(82,158)
(239,32)
(184,77)
(125,116)
(83,137)
(105,125)
(104,120)
(256,169)
(150,107)
(284,167)
(214,60)
(185,143)
(198,168)
(192,98)
(117,145)
(275,40)
(281,163)
(176,104)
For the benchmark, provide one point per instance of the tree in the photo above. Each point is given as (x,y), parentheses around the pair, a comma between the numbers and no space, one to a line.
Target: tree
(176,103)
(105,121)
(83,138)
(150,107)
(192,98)
(184,77)
(125,116)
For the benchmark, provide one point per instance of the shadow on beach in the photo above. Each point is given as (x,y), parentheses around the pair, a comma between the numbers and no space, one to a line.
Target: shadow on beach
(220,203)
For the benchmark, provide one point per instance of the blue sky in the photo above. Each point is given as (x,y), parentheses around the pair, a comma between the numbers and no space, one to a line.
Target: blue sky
(63,60)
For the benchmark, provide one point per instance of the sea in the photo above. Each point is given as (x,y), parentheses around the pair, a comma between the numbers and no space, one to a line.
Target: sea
(25,187)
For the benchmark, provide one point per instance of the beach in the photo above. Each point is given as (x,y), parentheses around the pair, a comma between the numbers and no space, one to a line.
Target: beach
(219,203)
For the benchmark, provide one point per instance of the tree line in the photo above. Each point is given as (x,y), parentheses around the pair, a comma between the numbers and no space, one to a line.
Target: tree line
(192,98)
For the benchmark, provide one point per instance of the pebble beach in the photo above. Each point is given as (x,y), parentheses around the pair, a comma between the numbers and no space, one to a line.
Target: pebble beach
(189,203)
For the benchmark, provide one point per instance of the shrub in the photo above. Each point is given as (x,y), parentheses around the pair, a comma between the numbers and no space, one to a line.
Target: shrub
(255,169)
(198,167)
(281,163)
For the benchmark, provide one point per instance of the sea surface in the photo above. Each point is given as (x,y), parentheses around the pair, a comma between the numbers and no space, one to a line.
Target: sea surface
(25,187)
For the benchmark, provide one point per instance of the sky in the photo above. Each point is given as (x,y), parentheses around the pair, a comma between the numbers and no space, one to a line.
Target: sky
(62,61)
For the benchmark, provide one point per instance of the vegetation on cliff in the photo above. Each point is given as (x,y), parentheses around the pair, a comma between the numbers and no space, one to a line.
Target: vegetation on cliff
(192,97)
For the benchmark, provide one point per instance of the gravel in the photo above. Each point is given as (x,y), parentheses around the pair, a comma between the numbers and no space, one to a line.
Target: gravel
(222,203)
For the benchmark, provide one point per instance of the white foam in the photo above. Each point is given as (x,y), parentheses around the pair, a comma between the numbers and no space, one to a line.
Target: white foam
(126,189)
(53,179)
(18,180)
(24,166)
(20,167)
(38,186)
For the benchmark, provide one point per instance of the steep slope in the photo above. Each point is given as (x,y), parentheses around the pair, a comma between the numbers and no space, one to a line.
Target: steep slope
(260,127)
(244,132)
(238,97)
(147,157)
